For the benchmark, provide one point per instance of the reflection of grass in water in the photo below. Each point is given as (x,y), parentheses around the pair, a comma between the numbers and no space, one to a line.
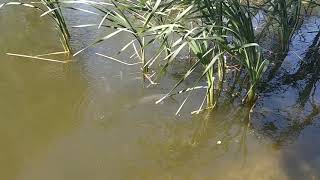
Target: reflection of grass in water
(198,143)
(202,136)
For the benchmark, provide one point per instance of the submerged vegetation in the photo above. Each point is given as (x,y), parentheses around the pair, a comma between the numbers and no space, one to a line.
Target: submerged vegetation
(219,35)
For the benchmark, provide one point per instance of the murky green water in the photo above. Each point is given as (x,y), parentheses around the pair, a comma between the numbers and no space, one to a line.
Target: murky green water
(92,119)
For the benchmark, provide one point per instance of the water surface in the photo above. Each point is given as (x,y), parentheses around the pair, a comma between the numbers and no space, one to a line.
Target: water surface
(92,119)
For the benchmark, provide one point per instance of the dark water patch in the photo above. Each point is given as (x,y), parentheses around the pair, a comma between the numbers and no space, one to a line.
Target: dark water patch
(288,109)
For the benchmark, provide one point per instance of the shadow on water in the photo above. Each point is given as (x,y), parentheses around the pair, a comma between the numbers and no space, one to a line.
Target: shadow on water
(288,110)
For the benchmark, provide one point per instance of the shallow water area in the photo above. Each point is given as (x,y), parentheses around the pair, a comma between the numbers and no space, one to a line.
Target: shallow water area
(92,118)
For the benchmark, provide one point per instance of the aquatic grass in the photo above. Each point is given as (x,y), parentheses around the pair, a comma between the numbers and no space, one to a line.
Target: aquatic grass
(287,14)
(232,20)
(212,14)
(204,53)
(218,33)
(124,16)
(240,21)
(39,57)
(210,28)
(284,16)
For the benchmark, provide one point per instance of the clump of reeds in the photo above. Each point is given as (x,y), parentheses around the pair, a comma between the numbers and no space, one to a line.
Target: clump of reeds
(286,13)
(219,33)
(211,29)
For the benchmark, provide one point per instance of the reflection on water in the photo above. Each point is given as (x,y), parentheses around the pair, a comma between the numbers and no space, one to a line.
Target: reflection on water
(83,121)
(289,107)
